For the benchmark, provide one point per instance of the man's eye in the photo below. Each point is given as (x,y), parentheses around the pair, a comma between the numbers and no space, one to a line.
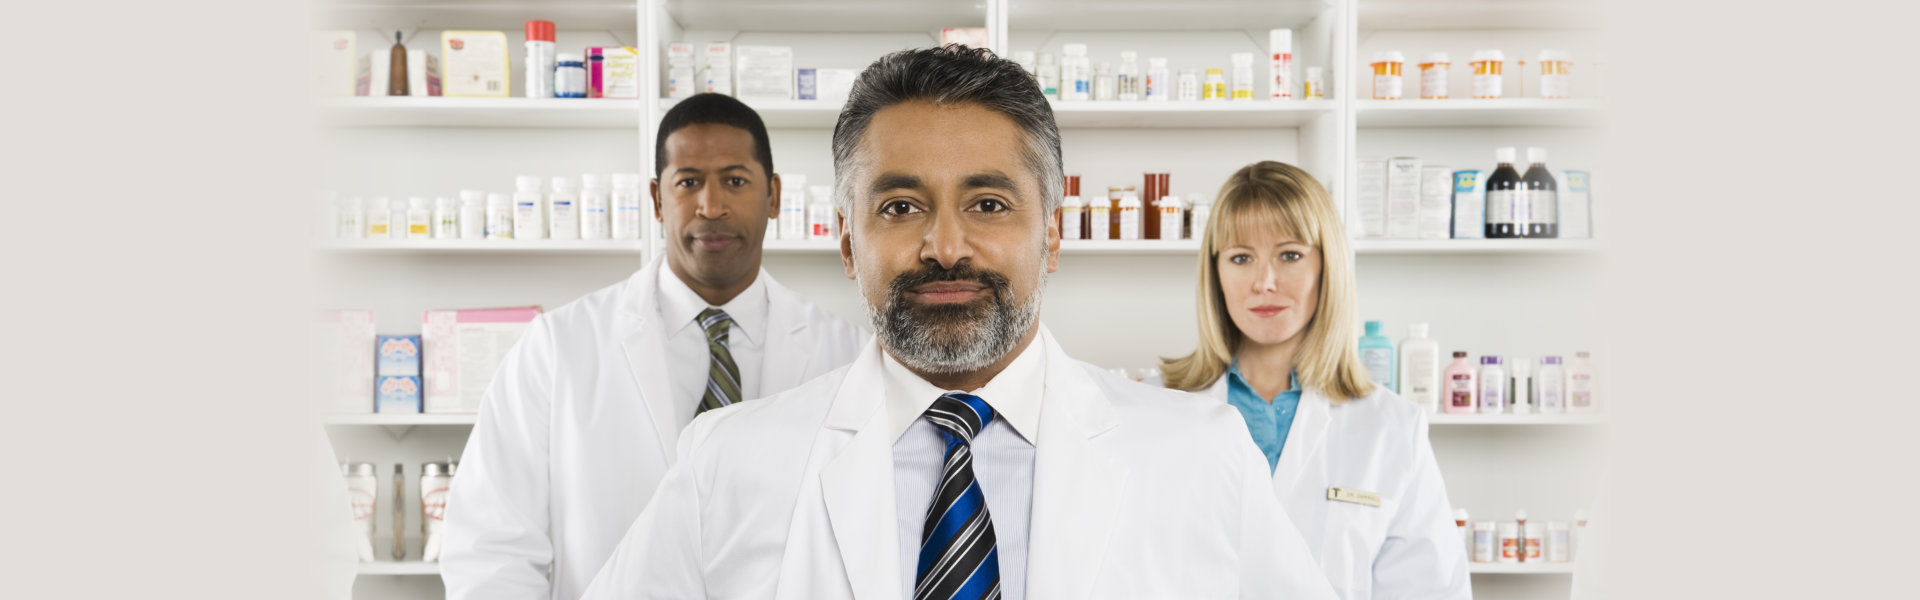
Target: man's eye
(991,205)
(687,182)
(737,181)
(897,207)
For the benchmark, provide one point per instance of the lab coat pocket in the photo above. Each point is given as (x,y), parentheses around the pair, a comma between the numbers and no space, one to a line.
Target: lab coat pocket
(1354,535)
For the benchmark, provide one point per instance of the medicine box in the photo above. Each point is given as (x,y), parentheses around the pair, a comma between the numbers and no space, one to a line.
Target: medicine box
(1403,198)
(397,394)
(423,74)
(716,63)
(1436,202)
(463,348)
(613,72)
(1469,205)
(474,64)
(397,355)
(1576,204)
(1369,218)
(763,72)
(824,84)
(336,63)
(345,360)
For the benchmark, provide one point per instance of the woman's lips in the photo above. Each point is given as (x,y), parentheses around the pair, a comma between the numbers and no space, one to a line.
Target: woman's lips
(1267,311)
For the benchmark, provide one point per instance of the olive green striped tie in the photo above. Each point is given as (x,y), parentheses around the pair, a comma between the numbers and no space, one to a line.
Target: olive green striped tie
(723,377)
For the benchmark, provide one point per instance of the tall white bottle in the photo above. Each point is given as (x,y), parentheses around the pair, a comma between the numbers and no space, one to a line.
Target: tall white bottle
(1420,369)
(563,210)
(529,211)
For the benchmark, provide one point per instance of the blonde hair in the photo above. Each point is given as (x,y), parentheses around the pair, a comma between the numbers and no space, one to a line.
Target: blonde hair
(1285,197)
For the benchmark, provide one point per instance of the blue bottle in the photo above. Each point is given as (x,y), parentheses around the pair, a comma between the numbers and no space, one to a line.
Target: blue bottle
(1377,355)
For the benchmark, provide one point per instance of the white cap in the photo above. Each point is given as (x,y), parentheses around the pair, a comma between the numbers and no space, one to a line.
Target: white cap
(499,199)
(626,180)
(1492,55)
(1127,56)
(416,202)
(1459,514)
(1171,200)
(563,184)
(475,195)
(1072,201)
(1504,155)
(1437,57)
(1389,56)
(1074,49)
(1555,55)
(592,181)
(1240,58)
(1521,516)
(1536,155)
(1157,61)
(1418,330)
(566,57)
(1280,41)
(527,184)
(1130,198)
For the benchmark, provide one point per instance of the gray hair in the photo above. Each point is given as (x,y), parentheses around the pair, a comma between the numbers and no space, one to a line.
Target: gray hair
(946,76)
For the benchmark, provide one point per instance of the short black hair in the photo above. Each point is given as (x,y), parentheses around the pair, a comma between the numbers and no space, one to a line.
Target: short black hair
(718,109)
(946,76)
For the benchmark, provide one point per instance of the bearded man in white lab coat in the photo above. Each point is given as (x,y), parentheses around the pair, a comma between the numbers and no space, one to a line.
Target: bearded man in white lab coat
(962,455)
(581,420)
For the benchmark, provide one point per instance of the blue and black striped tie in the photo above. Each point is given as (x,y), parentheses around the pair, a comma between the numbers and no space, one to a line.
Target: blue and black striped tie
(958,559)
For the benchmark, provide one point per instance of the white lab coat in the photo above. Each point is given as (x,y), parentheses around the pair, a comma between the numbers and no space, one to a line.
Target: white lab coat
(577,428)
(1138,493)
(1408,547)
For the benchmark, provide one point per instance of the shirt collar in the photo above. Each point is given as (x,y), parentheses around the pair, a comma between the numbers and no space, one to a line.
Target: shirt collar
(1015,393)
(680,306)
(1234,372)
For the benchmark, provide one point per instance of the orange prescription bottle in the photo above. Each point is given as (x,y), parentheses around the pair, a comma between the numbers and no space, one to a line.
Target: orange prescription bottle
(1433,76)
(1486,73)
(1555,81)
(1386,75)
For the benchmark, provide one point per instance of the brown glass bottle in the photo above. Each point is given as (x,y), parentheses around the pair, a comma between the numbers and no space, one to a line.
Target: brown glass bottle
(397,68)
(1503,190)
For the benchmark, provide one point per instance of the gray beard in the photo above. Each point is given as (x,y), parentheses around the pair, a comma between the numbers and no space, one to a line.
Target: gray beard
(951,339)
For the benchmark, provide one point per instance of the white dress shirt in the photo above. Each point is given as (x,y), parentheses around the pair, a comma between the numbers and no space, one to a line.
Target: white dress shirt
(687,358)
(1002,459)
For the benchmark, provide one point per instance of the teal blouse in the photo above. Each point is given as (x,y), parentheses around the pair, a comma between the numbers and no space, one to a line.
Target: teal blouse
(1267,421)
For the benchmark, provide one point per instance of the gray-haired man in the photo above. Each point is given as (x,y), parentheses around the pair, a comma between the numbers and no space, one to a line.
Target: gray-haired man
(963,454)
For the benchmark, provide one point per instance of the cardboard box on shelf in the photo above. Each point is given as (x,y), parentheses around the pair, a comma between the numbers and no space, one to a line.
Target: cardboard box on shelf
(462,350)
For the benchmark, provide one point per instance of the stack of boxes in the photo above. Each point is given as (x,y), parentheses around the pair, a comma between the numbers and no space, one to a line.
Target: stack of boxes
(397,375)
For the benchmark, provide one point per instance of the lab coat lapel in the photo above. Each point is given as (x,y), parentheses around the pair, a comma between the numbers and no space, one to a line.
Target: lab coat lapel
(784,364)
(1074,508)
(645,347)
(1300,480)
(857,483)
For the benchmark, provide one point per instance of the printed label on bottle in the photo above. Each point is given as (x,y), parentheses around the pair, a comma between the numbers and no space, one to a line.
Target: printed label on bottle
(1386,87)
(1492,397)
(1433,83)
(1555,86)
(1170,224)
(1460,391)
(1070,224)
(1379,363)
(377,229)
(1521,202)
(1580,390)
(1533,550)
(1545,203)
(1486,86)
(1509,548)
(1129,224)
(1500,206)
(1483,546)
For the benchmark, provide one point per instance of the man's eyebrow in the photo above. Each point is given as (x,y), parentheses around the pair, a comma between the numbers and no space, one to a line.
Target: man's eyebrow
(895,181)
(990,179)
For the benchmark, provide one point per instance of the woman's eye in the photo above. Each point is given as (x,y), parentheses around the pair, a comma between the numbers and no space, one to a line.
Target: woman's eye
(1291,256)
(1240,259)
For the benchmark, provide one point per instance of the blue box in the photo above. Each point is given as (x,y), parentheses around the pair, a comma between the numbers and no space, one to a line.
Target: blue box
(1469,206)
(397,394)
(806,84)
(398,355)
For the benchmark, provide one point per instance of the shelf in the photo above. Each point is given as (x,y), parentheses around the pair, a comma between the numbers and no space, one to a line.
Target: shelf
(484,246)
(1509,419)
(400,420)
(403,567)
(821,114)
(1468,112)
(504,15)
(405,111)
(1160,15)
(1540,568)
(841,16)
(1482,246)
(1479,15)
(1066,247)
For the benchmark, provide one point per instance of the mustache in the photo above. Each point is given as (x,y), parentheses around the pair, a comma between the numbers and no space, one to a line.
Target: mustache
(932,272)
(712,228)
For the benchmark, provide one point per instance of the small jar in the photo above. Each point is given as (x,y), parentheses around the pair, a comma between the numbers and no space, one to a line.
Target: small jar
(1215,87)
(1487,80)
(569,76)
(1099,212)
(1130,216)
(1387,75)
(1073,219)
(1242,76)
(1554,79)
(1114,194)
(1433,76)
(1106,85)
(1188,86)
(1316,83)
(1172,216)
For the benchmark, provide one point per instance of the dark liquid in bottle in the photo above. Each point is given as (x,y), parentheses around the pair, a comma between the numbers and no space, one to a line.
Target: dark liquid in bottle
(1543,191)
(1504,179)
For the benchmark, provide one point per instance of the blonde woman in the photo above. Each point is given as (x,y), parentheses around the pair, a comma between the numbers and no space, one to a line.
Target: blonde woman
(1351,462)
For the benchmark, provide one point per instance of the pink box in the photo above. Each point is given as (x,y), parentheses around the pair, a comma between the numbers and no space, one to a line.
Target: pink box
(462,349)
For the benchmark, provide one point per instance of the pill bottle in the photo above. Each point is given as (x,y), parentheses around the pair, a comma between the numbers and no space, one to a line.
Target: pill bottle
(380,218)
(563,210)
(1131,86)
(1433,76)
(1386,75)
(1534,542)
(1114,194)
(1215,87)
(1579,534)
(1493,386)
(1509,542)
(473,215)
(1550,385)
(1520,392)
(1073,185)
(1466,529)
(1047,70)
(1187,87)
(1583,393)
(1459,386)
(1316,83)
(1076,74)
(446,219)
(1130,216)
(529,209)
(569,76)
(1558,541)
(353,219)
(499,217)
(1485,546)
(1159,84)
(1487,79)
(1555,81)
(1280,64)
(1099,212)
(1242,76)
(821,224)
(1106,85)
(1073,219)
(1200,209)
(625,204)
(1172,216)
(596,208)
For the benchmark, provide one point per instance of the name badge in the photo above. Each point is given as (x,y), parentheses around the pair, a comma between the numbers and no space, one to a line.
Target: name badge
(1340,494)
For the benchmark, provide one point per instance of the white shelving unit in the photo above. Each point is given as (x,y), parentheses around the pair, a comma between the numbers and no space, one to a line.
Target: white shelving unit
(1113,303)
